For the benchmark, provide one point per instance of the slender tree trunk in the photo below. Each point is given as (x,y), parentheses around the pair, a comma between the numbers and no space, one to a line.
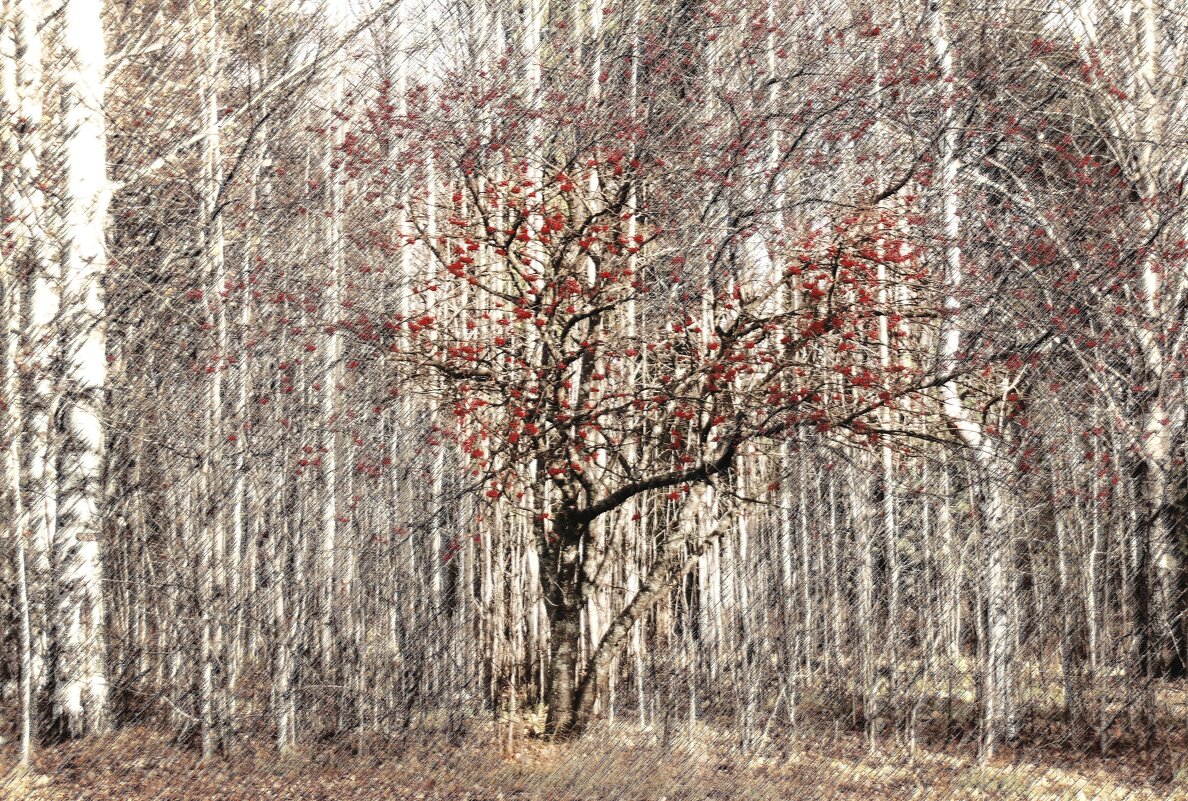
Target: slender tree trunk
(997,701)
(17,27)
(1069,670)
(1146,523)
(331,367)
(212,581)
(10,296)
(31,251)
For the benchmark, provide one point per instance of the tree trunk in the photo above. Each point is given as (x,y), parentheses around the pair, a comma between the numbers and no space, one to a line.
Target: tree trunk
(1148,524)
(562,590)
(32,246)
(16,85)
(80,671)
(999,710)
(1069,667)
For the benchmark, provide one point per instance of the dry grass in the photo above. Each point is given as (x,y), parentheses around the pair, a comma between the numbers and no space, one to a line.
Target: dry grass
(136,764)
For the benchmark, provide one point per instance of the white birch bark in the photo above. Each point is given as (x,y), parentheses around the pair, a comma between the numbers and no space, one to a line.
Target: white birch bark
(31,249)
(336,11)
(213,578)
(80,703)
(998,714)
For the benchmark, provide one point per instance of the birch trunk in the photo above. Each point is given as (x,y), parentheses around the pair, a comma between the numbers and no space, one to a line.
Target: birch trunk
(15,26)
(80,703)
(212,544)
(31,256)
(331,366)
(998,713)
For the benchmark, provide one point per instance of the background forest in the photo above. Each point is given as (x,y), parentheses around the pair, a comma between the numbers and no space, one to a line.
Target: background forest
(570,378)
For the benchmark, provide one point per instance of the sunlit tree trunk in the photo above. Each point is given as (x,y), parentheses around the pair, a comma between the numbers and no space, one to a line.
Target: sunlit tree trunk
(331,377)
(998,712)
(1165,625)
(212,544)
(80,672)
(31,266)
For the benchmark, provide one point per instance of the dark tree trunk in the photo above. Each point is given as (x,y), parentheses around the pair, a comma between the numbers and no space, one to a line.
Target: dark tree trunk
(1176,662)
(563,599)
(1140,587)
(1177,667)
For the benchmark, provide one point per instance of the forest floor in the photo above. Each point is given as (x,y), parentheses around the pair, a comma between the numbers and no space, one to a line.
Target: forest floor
(135,763)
